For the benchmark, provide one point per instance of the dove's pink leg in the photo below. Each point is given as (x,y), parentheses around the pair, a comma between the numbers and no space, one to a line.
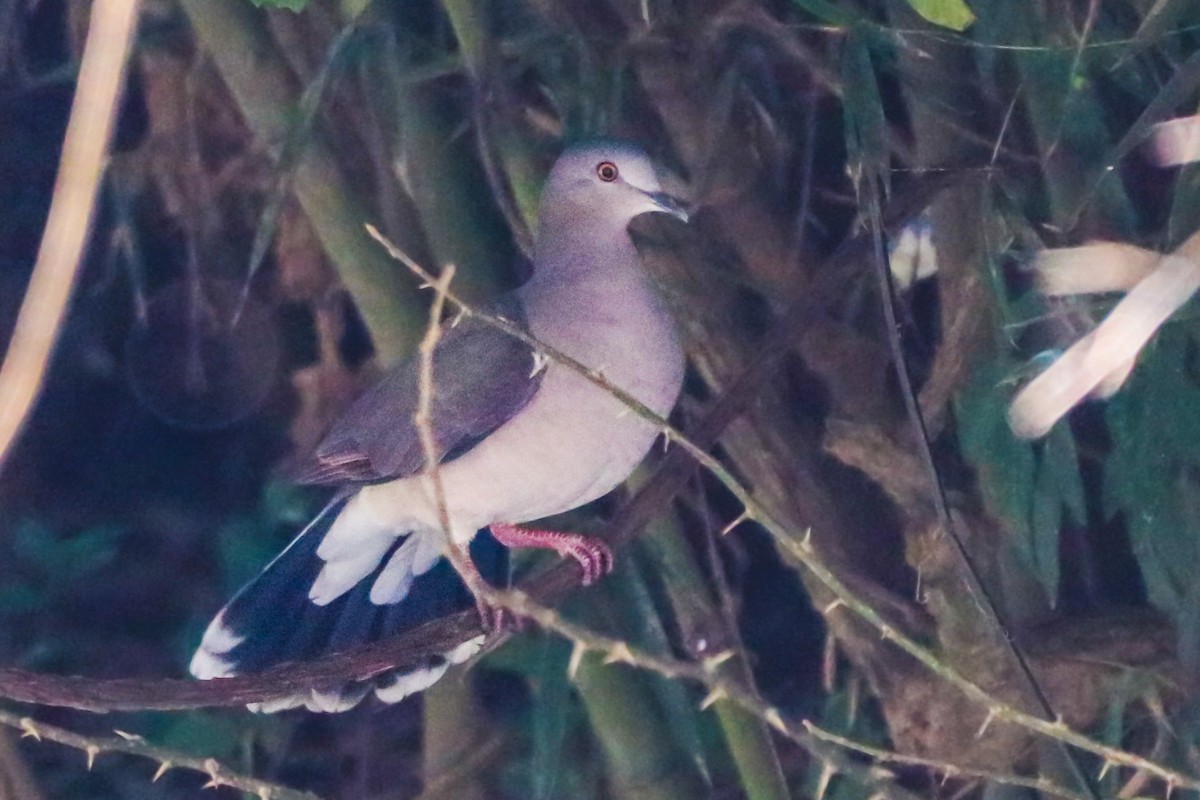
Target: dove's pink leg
(594,556)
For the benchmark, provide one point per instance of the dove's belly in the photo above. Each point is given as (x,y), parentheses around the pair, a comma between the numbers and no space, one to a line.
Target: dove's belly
(530,469)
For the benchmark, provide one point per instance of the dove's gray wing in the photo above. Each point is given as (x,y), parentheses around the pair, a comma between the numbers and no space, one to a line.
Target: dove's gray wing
(481,376)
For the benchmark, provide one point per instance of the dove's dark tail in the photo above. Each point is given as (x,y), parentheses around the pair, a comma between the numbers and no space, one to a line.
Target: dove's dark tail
(271,620)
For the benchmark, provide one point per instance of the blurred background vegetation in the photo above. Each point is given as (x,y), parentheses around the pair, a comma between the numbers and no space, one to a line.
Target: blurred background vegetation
(231,304)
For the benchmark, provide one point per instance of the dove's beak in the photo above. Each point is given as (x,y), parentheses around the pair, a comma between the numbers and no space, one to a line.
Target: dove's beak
(668,205)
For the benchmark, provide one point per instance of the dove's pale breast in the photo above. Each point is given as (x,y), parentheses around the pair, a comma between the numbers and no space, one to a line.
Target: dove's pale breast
(573,442)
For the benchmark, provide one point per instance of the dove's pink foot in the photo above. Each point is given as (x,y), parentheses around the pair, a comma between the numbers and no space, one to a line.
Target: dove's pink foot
(594,556)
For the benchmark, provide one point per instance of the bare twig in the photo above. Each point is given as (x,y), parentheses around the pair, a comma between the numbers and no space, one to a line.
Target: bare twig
(423,420)
(71,208)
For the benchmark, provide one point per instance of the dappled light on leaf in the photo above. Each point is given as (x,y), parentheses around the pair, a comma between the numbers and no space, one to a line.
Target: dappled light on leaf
(1099,363)
(1176,142)
(953,14)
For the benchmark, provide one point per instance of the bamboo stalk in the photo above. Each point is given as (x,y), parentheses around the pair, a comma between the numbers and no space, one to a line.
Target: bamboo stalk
(516,156)
(747,737)
(643,752)
(266,91)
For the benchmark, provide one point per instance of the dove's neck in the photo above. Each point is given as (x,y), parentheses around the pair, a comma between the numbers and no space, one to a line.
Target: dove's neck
(584,266)
(572,243)
(590,297)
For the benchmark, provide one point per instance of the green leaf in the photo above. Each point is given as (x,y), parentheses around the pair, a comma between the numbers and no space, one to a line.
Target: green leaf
(1004,464)
(552,692)
(952,14)
(1151,473)
(828,12)
(865,123)
(18,597)
(290,5)
(1058,489)
(63,558)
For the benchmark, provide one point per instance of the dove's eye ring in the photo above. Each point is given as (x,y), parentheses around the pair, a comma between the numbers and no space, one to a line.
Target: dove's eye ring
(606,171)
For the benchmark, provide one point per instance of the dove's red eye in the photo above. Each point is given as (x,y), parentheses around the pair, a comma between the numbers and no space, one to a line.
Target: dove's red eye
(607,171)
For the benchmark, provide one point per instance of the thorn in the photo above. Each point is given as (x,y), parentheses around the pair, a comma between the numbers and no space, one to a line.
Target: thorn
(92,751)
(712,697)
(619,654)
(775,720)
(837,603)
(987,721)
(28,728)
(127,736)
(666,434)
(806,539)
(265,793)
(1104,769)
(577,651)
(212,768)
(425,285)
(540,362)
(711,663)
(742,517)
(458,317)
(162,770)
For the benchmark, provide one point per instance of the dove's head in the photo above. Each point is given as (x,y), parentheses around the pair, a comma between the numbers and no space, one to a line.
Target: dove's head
(604,179)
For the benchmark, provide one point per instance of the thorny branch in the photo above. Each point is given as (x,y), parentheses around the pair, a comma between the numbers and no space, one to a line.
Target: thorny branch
(803,552)
(520,604)
(617,651)
(131,744)
(884,756)
(441,635)
(423,420)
